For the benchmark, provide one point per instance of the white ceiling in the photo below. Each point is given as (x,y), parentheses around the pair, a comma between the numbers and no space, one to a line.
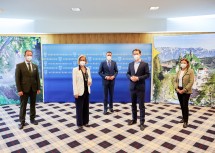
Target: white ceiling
(55,16)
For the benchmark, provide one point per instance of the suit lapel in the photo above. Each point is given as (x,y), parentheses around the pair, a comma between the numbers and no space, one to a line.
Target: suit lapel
(33,68)
(80,74)
(178,74)
(185,73)
(25,66)
(106,63)
(139,67)
(111,65)
(132,68)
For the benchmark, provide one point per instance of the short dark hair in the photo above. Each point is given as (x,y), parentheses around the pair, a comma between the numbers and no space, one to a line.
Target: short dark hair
(28,51)
(109,52)
(136,50)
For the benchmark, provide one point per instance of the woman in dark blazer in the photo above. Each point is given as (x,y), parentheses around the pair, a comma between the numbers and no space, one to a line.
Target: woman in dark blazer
(81,90)
(183,85)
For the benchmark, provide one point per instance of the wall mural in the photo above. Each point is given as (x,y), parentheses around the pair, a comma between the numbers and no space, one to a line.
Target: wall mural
(11,53)
(200,51)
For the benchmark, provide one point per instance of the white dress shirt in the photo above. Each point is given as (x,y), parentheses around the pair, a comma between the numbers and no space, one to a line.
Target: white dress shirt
(180,79)
(28,65)
(136,65)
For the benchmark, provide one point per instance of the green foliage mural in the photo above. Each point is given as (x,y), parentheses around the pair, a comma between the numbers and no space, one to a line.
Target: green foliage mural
(11,53)
(157,82)
(207,95)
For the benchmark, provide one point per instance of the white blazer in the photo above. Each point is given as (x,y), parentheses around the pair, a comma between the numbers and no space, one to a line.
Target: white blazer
(78,81)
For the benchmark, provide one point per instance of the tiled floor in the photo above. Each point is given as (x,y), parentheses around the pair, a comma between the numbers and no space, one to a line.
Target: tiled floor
(57,131)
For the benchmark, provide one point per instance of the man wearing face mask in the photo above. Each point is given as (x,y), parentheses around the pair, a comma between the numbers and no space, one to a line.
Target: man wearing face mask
(108,71)
(28,86)
(137,72)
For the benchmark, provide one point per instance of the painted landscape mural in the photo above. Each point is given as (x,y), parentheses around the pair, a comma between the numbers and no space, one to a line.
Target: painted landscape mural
(200,51)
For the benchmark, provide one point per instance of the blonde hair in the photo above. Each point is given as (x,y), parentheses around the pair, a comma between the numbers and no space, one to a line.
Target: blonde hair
(79,58)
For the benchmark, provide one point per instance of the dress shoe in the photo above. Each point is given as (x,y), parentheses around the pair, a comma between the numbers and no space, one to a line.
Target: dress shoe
(21,126)
(131,122)
(142,127)
(111,110)
(185,125)
(181,121)
(105,112)
(87,125)
(34,122)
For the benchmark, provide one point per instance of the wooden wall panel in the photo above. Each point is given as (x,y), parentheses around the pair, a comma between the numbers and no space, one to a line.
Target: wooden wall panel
(99,38)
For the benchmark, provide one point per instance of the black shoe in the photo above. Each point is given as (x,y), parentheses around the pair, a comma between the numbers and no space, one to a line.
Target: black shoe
(34,122)
(21,126)
(185,125)
(181,121)
(87,125)
(105,112)
(131,122)
(111,110)
(142,127)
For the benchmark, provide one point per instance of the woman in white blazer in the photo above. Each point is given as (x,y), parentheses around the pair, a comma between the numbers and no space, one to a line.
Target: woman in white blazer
(81,89)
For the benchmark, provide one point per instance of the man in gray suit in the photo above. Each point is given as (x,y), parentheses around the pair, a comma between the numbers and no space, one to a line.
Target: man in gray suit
(28,86)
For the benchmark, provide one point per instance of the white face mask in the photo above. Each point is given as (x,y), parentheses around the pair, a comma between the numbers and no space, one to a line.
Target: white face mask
(136,57)
(108,58)
(82,63)
(28,58)
(183,66)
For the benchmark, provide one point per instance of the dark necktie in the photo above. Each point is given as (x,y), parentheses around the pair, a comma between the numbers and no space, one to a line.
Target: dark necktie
(109,64)
(29,67)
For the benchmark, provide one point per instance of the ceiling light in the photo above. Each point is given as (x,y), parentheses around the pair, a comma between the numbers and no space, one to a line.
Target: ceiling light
(153,8)
(193,17)
(75,9)
(15,21)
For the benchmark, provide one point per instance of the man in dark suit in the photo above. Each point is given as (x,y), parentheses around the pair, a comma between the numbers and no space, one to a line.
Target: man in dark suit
(108,71)
(138,71)
(28,85)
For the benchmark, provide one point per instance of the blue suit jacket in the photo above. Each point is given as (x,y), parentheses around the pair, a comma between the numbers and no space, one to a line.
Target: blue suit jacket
(105,71)
(142,73)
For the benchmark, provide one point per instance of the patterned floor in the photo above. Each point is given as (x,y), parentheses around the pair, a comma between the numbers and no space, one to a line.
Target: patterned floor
(57,132)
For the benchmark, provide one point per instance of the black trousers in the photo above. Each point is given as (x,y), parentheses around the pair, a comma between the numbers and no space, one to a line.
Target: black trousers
(82,109)
(108,88)
(138,96)
(184,100)
(23,104)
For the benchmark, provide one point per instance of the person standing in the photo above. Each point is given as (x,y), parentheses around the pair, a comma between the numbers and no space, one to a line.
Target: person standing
(81,89)
(183,85)
(138,72)
(28,86)
(108,71)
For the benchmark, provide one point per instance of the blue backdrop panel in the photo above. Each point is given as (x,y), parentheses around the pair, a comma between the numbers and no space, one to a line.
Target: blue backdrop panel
(60,59)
